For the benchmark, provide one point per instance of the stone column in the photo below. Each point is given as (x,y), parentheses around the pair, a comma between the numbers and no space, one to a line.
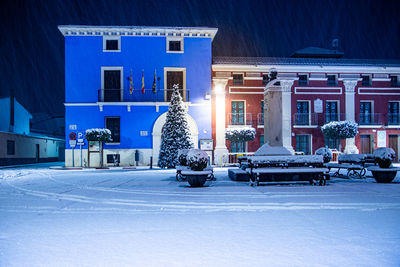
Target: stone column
(220,147)
(350,86)
(277,114)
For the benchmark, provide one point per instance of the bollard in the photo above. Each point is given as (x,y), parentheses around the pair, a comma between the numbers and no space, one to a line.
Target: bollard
(151,162)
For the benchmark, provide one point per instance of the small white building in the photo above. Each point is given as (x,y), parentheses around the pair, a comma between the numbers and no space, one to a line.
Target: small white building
(18,145)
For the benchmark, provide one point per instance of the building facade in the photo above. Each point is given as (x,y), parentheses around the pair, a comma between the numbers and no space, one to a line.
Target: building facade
(19,145)
(121,78)
(318,90)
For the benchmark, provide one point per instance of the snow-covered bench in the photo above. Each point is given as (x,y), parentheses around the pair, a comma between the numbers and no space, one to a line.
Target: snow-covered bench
(286,168)
(183,171)
(355,164)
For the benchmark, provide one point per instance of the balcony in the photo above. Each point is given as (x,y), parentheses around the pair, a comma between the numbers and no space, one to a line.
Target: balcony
(393,119)
(124,95)
(239,119)
(260,119)
(328,117)
(370,119)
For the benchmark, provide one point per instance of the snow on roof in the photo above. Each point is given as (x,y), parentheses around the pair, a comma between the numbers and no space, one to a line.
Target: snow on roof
(267,150)
(138,30)
(304,61)
(318,52)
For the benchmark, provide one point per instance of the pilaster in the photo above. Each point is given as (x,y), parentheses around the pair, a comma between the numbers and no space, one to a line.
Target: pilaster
(220,147)
(350,86)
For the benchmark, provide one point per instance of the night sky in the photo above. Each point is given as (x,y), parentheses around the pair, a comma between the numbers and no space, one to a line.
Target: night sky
(32,48)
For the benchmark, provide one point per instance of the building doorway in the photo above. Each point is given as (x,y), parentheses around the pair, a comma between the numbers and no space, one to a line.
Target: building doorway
(175,76)
(366,144)
(37,154)
(394,144)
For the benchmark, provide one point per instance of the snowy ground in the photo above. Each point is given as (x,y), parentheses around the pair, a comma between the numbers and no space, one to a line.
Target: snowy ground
(146,218)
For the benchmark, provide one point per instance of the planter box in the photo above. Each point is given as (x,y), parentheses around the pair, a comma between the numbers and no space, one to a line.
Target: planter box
(383,175)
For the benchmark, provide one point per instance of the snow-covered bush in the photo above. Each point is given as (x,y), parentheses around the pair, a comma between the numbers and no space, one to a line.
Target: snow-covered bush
(97,134)
(384,156)
(340,129)
(182,157)
(197,159)
(325,153)
(240,134)
(175,133)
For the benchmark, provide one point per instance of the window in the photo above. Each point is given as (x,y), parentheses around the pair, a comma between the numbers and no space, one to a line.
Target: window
(303,79)
(237,112)
(331,111)
(174,45)
(394,110)
(366,113)
(261,139)
(332,143)
(113,158)
(111,44)
(366,80)
(265,79)
(394,80)
(303,143)
(332,81)
(302,113)
(10,147)
(261,120)
(113,124)
(237,79)
(238,147)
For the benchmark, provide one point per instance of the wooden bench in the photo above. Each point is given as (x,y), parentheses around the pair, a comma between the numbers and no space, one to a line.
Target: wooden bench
(286,169)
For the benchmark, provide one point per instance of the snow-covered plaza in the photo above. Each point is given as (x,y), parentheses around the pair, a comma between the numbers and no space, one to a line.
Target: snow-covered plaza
(146,218)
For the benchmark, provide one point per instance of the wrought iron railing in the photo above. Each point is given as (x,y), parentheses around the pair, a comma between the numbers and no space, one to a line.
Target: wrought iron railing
(393,118)
(370,119)
(260,119)
(138,95)
(239,119)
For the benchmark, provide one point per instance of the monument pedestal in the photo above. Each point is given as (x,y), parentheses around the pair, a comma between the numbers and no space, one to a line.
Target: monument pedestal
(277,114)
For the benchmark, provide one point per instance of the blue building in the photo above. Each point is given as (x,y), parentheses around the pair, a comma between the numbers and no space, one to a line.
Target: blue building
(105,70)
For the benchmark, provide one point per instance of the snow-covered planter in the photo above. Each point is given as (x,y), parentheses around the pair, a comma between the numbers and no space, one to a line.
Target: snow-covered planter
(240,134)
(182,157)
(197,159)
(325,153)
(384,156)
(340,129)
(97,134)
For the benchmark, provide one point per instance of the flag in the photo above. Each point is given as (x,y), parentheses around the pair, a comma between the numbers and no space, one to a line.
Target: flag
(143,81)
(131,84)
(154,81)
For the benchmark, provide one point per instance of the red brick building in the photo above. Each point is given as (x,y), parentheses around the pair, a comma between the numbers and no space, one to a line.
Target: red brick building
(319,90)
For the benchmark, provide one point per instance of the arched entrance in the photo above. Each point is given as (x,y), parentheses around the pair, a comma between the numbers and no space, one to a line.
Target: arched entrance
(157,130)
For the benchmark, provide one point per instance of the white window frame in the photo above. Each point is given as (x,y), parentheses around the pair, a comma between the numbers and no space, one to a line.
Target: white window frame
(105,38)
(244,110)
(166,69)
(122,79)
(175,38)
(337,104)
(309,112)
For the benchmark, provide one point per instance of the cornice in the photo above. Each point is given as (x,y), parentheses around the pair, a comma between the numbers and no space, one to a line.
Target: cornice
(77,30)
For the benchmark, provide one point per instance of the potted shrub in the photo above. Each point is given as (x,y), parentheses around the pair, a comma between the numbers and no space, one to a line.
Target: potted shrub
(384,173)
(384,156)
(325,153)
(197,160)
